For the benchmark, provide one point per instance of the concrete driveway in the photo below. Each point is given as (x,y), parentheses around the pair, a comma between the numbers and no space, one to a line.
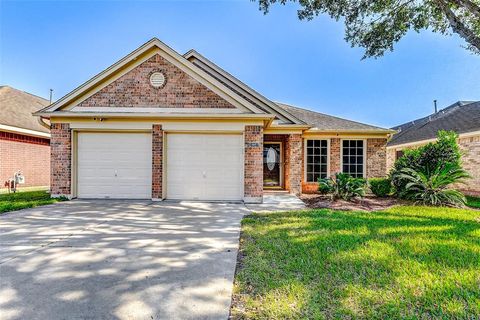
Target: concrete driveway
(119,260)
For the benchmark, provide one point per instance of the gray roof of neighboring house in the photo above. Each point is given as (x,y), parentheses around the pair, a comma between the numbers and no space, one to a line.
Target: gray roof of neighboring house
(16,108)
(461,117)
(327,122)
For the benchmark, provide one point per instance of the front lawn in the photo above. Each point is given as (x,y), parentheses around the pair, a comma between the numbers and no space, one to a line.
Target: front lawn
(27,199)
(404,262)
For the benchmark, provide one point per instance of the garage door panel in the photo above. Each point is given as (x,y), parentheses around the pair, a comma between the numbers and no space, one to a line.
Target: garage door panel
(114,165)
(204,166)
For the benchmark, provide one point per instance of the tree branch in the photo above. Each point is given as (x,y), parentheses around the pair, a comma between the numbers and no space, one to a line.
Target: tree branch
(458,27)
(469,5)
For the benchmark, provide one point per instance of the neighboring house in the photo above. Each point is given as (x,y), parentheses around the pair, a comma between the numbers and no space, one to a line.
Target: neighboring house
(24,142)
(463,117)
(160,125)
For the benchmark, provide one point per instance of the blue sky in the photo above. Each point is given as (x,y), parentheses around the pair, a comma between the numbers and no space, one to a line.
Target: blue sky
(60,45)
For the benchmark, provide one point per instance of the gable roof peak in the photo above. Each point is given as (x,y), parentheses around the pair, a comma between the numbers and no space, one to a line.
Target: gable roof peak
(145,49)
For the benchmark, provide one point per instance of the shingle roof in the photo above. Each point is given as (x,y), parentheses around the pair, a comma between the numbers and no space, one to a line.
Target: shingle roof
(326,122)
(461,117)
(239,87)
(16,108)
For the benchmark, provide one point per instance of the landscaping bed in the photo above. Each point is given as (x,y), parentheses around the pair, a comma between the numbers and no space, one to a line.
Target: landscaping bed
(318,201)
(404,262)
(27,199)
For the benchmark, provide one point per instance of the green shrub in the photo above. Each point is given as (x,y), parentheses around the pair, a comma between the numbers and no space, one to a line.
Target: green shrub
(324,186)
(381,187)
(432,189)
(426,159)
(343,186)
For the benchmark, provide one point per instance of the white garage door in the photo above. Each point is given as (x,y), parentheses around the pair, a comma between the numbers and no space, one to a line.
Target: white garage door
(204,166)
(114,165)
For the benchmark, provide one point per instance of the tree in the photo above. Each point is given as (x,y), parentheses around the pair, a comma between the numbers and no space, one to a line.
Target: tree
(377,25)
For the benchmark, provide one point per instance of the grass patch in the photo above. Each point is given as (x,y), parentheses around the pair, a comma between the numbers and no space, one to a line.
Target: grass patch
(27,199)
(473,202)
(405,262)
(24,189)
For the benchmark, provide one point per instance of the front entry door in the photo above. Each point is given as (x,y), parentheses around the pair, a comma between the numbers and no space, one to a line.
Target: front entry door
(272,164)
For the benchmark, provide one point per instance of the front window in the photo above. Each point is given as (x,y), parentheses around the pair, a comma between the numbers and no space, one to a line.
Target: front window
(353,158)
(316,164)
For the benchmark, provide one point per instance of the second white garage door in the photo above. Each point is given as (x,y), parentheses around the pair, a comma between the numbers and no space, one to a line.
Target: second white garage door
(114,165)
(204,166)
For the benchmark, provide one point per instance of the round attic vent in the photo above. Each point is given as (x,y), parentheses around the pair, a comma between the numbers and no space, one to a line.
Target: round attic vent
(157,79)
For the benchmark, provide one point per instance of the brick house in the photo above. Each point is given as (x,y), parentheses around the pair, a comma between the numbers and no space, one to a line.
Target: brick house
(463,117)
(160,125)
(24,142)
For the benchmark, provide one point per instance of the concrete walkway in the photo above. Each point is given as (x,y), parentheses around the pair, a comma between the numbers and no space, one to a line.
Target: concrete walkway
(119,260)
(275,201)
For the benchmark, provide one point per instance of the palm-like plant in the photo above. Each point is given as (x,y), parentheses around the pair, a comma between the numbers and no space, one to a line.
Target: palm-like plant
(343,186)
(432,188)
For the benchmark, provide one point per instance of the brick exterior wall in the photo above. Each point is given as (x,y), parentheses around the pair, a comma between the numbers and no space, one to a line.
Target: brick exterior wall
(470,146)
(253,180)
(391,157)
(334,156)
(294,156)
(30,155)
(61,159)
(134,90)
(157,161)
(376,157)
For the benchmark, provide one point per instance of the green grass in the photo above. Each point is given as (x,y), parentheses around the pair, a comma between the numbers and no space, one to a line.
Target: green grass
(473,202)
(27,199)
(24,189)
(402,263)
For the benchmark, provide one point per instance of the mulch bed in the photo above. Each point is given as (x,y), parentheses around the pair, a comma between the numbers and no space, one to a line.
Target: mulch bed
(369,203)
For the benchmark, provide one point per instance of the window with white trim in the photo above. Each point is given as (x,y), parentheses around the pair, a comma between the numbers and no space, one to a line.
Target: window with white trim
(316,160)
(353,157)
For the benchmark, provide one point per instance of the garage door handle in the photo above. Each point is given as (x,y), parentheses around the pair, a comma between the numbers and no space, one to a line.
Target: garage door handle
(204,173)
(115,173)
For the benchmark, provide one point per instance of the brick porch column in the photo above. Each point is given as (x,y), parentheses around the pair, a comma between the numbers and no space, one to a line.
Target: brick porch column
(60,160)
(157,161)
(253,179)
(294,156)
(334,156)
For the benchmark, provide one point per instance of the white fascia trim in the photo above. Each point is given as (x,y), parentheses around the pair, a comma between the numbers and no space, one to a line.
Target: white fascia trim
(27,132)
(157,110)
(421,142)
(255,94)
(181,62)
